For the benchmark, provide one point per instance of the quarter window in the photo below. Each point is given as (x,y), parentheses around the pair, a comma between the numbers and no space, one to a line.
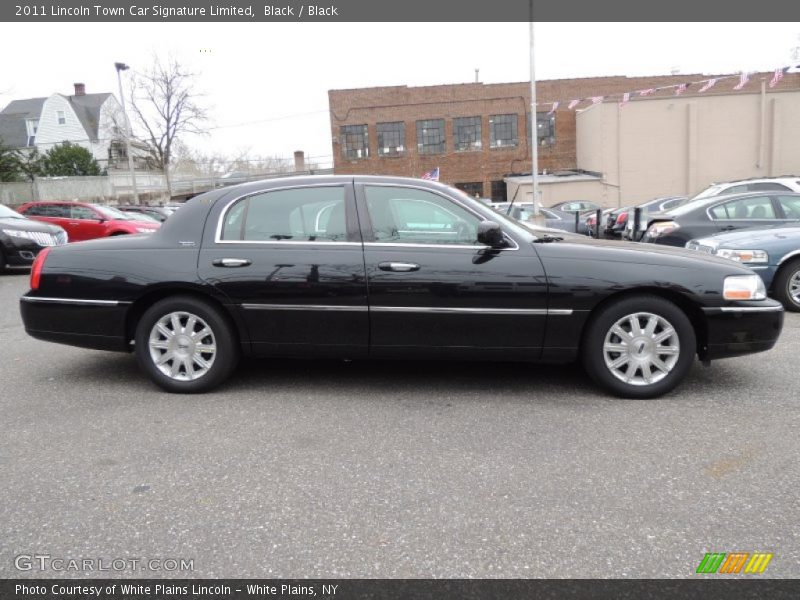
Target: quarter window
(430,136)
(758,207)
(355,141)
(391,138)
(503,130)
(412,216)
(300,215)
(467,133)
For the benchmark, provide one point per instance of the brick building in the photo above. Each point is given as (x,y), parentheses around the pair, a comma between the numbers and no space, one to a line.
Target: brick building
(476,133)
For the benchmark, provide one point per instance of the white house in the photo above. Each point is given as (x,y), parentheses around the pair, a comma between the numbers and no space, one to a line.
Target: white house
(94,121)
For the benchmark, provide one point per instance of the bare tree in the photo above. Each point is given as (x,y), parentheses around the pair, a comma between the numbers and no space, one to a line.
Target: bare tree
(165,107)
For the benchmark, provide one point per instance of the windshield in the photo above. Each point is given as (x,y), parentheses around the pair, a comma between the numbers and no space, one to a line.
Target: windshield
(7,213)
(141,217)
(112,213)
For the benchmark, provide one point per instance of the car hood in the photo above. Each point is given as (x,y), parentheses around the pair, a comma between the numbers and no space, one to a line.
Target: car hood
(29,225)
(745,238)
(586,248)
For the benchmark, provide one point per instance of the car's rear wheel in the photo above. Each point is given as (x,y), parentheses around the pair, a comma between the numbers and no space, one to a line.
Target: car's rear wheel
(186,345)
(639,347)
(787,286)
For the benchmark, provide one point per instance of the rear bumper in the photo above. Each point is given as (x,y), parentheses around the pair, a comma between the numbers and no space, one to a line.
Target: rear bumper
(743,328)
(95,324)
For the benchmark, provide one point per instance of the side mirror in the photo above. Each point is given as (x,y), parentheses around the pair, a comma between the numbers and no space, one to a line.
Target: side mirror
(490,233)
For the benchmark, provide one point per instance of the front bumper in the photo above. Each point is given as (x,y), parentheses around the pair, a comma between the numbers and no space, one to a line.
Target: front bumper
(20,252)
(741,328)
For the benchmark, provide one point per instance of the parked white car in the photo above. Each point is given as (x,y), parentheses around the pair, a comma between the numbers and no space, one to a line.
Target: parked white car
(780,184)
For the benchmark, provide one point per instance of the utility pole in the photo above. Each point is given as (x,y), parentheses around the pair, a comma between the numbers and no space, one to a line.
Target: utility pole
(123,67)
(534,129)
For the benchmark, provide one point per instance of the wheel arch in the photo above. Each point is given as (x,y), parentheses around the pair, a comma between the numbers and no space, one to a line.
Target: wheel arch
(693,312)
(150,297)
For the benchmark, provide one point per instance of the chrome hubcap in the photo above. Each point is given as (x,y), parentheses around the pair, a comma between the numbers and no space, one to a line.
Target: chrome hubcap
(182,346)
(641,348)
(794,287)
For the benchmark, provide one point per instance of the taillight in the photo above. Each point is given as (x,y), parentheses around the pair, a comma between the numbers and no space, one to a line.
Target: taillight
(36,269)
(622,218)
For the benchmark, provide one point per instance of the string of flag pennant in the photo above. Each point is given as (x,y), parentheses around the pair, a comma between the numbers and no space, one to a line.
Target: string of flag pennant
(679,88)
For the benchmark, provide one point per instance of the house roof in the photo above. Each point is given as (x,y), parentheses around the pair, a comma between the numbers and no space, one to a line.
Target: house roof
(13,131)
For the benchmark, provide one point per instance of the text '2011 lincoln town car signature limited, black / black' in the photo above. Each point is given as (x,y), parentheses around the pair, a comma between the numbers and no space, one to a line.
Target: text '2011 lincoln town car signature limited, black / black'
(384,267)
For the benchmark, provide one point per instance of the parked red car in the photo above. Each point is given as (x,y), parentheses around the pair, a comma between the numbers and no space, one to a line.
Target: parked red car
(84,221)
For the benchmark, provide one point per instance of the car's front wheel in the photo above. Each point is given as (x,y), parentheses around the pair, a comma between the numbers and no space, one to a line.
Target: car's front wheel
(186,345)
(639,347)
(787,286)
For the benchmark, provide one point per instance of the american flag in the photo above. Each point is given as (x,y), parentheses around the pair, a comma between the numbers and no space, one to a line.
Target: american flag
(553,109)
(596,99)
(647,92)
(625,97)
(573,104)
(709,84)
(432,175)
(743,79)
(776,77)
(681,88)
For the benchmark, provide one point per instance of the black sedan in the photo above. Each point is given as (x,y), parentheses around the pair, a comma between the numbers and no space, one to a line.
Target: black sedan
(21,238)
(707,216)
(385,267)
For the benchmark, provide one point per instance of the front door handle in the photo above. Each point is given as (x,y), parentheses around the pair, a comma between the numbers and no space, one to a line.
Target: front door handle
(231,262)
(399,267)
(728,228)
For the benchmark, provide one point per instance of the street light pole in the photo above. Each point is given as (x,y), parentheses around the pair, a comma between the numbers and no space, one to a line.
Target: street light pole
(123,67)
(534,130)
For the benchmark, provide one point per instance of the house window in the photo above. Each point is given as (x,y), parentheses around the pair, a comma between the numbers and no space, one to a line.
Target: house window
(503,130)
(467,133)
(391,138)
(62,118)
(355,141)
(430,136)
(499,191)
(474,189)
(545,129)
(32,126)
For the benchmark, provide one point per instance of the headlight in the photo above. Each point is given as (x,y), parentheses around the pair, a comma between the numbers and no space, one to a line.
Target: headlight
(744,287)
(743,256)
(18,234)
(144,230)
(662,228)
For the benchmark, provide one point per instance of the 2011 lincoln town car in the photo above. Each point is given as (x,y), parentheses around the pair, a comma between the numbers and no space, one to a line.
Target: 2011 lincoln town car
(359,267)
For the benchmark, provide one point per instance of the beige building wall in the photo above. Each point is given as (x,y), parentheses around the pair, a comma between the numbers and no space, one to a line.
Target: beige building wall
(679,145)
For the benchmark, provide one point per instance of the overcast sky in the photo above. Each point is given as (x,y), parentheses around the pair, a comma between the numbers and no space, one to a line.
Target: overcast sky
(274,72)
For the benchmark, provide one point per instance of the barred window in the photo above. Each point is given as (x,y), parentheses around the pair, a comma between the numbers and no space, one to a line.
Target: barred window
(467,133)
(355,141)
(503,129)
(430,136)
(545,129)
(499,191)
(391,138)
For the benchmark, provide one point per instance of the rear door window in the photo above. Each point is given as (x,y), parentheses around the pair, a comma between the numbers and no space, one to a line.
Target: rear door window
(750,209)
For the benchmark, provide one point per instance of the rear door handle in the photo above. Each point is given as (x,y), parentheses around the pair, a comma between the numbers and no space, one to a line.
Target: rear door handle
(399,267)
(231,262)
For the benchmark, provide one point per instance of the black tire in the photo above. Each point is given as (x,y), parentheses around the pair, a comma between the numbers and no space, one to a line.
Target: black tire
(187,352)
(782,285)
(643,348)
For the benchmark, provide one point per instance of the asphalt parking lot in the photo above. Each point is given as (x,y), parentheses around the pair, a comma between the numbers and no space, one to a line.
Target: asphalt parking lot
(328,469)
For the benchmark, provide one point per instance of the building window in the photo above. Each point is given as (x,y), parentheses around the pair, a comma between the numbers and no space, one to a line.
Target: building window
(355,141)
(545,129)
(467,133)
(62,118)
(391,139)
(503,129)
(32,126)
(474,189)
(499,191)
(430,136)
